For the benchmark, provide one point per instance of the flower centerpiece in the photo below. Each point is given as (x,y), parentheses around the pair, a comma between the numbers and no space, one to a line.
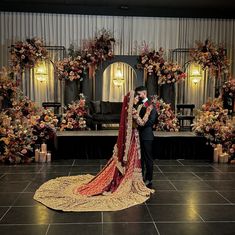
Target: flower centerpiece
(43,126)
(101,48)
(74,117)
(71,68)
(210,56)
(214,124)
(153,62)
(167,120)
(25,54)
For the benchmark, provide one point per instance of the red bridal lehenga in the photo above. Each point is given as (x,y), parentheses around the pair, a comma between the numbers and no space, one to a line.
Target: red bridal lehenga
(117,186)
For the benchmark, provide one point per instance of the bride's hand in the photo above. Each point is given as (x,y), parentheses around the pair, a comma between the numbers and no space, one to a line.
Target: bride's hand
(134,111)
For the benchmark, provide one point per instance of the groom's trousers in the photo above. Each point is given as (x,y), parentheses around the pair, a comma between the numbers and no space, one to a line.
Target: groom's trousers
(147,159)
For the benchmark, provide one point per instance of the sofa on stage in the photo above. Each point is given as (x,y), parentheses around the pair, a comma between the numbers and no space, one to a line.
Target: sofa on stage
(103,112)
(99,145)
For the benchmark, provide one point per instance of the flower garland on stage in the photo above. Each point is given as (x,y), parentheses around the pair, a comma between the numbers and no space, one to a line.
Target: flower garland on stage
(92,53)
(25,54)
(153,63)
(166,121)
(211,56)
(214,124)
(71,69)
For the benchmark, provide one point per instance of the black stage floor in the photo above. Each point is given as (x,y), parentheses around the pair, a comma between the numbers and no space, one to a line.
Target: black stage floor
(99,144)
(192,198)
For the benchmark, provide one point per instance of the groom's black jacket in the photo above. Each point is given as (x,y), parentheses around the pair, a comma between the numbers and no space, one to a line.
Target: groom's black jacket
(146,131)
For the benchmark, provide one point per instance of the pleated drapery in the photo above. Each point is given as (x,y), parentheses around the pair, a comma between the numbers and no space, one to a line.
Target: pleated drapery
(130,32)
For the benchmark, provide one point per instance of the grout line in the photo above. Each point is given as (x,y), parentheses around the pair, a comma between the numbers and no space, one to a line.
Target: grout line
(158,168)
(197,176)
(102,217)
(173,185)
(198,215)
(178,160)
(73,162)
(223,197)
(155,226)
(188,204)
(123,222)
(217,169)
(2,176)
(26,187)
(48,227)
(5,213)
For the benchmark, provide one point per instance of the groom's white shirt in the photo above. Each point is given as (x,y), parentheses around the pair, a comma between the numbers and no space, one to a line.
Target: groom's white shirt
(143,101)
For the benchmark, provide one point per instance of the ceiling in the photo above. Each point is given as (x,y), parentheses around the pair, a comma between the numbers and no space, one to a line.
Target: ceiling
(155,8)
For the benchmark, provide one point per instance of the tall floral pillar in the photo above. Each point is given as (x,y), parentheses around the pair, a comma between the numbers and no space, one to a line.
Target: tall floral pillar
(72,71)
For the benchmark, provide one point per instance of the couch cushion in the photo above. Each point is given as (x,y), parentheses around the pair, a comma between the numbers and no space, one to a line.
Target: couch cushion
(105,107)
(116,107)
(95,106)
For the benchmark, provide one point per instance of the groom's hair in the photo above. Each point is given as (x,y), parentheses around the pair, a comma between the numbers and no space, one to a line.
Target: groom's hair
(140,88)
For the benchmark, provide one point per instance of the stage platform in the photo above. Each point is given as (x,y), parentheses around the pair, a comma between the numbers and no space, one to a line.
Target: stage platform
(99,145)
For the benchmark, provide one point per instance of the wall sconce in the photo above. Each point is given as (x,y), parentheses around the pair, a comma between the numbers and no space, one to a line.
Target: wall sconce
(195,73)
(41,71)
(118,77)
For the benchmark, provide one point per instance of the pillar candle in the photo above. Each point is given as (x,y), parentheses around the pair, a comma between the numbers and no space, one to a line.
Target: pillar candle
(44,148)
(226,158)
(216,155)
(37,155)
(221,158)
(219,148)
(43,157)
(48,157)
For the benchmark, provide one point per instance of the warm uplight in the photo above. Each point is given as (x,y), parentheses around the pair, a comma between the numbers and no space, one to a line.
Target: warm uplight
(41,71)
(118,79)
(195,73)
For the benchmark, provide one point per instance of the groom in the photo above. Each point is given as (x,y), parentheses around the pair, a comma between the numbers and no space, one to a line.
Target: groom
(146,136)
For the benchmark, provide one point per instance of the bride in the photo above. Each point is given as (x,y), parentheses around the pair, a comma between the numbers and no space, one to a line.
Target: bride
(118,185)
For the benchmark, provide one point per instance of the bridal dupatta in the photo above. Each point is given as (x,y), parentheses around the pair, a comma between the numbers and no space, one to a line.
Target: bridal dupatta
(117,186)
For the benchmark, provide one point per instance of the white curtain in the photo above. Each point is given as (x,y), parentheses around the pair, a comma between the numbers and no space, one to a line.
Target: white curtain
(113,93)
(130,32)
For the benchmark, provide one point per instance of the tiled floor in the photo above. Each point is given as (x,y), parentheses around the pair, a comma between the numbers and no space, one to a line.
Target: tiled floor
(192,198)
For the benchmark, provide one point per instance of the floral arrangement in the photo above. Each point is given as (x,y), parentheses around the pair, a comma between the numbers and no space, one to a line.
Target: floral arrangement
(17,140)
(92,53)
(74,117)
(43,126)
(22,125)
(71,69)
(210,56)
(99,49)
(154,63)
(229,87)
(8,88)
(170,73)
(213,123)
(25,54)
(167,120)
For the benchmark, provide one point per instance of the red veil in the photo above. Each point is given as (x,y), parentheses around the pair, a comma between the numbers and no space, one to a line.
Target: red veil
(110,177)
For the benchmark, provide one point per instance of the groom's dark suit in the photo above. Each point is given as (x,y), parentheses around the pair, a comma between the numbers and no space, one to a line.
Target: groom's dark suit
(146,141)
